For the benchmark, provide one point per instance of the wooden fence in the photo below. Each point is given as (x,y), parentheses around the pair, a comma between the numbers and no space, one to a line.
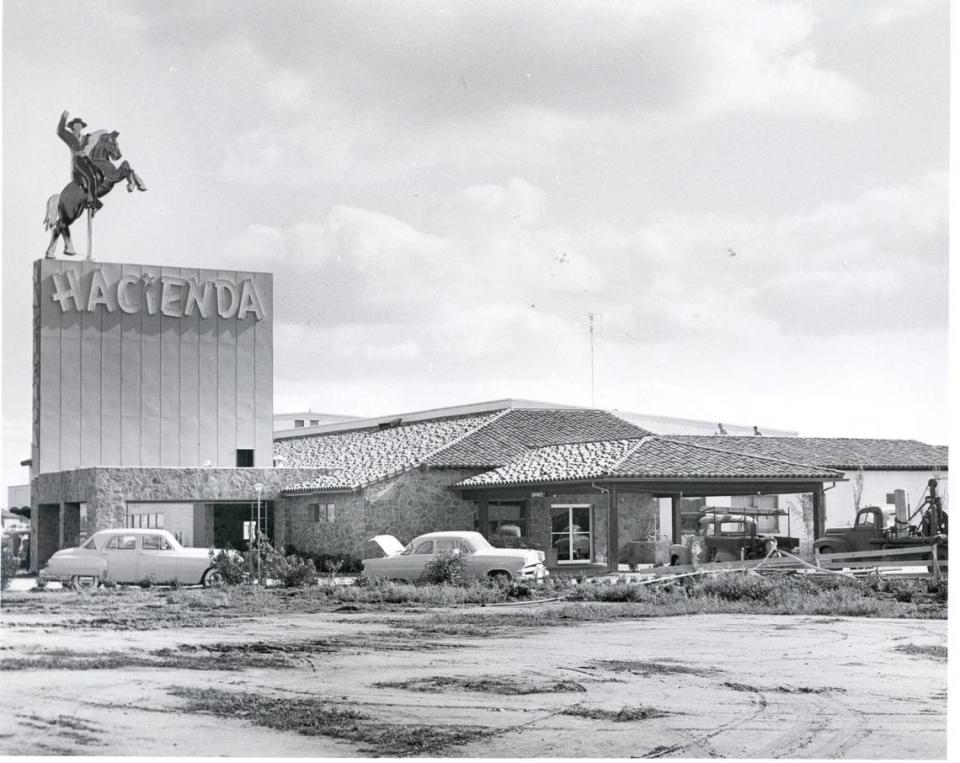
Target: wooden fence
(912,562)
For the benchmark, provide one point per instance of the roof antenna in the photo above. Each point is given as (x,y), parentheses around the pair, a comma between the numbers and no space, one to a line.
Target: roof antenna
(593,318)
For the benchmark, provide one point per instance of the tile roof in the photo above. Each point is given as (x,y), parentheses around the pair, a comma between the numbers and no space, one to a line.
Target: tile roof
(518,430)
(557,463)
(363,456)
(834,452)
(647,457)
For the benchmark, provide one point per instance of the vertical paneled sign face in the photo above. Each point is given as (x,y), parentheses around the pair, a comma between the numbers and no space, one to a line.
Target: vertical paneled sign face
(136,365)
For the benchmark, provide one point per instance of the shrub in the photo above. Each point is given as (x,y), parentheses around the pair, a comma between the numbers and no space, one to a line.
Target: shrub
(331,563)
(444,568)
(734,587)
(9,564)
(234,567)
(294,572)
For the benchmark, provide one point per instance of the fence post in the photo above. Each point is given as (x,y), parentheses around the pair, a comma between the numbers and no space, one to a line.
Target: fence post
(936,563)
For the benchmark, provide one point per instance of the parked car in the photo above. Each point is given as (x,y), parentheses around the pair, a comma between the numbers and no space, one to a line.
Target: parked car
(131,556)
(481,559)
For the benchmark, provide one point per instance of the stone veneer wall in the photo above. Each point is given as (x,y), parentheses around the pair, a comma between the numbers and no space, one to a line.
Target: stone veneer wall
(405,506)
(638,517)
(106,490)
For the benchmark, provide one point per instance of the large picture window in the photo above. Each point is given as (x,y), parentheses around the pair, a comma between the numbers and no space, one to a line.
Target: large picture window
(572,532)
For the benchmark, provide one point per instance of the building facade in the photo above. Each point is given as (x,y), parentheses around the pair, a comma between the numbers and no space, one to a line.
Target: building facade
(152,399)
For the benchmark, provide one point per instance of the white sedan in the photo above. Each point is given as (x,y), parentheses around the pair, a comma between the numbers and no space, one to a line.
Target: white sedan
(481,560)
(131,556)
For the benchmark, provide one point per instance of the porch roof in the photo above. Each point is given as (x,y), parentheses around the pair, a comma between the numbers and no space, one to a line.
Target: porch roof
(846,453)
(647,457)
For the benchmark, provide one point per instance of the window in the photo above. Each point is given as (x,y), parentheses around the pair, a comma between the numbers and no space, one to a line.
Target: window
(314,422)
(155,543)
(572,532)
(507,519)
(152,521)
(446,545)
(323,512)
(733,528)
(90,544)
(122,543)
(244,457)
(298,423)
(424,548)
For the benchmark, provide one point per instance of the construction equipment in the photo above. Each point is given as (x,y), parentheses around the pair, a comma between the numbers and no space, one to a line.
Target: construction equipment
(875,529)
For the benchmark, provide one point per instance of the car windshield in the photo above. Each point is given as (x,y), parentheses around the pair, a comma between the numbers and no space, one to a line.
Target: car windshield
(91,544)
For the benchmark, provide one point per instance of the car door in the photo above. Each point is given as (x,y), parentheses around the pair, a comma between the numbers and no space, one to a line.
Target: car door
(121,556)
(158,559)
(410,566)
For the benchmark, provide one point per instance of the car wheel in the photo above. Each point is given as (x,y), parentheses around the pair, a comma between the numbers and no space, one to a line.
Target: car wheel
(500,577)
(212,579)
(826,550)
(85,582)
(674,560)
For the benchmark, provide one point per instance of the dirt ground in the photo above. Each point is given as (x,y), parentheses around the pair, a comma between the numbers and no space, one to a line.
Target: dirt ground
(354,683)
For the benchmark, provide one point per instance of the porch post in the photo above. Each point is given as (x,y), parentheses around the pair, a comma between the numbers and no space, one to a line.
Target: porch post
(613,531)
(819,501)
(675,517)
(483,517)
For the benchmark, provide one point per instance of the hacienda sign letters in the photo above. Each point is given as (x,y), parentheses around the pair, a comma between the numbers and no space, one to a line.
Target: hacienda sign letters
(169,295)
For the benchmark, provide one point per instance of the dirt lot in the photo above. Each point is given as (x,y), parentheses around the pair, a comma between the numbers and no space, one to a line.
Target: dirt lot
(465,682)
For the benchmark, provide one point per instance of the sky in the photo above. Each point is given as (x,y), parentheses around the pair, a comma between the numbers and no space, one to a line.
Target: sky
(750,197)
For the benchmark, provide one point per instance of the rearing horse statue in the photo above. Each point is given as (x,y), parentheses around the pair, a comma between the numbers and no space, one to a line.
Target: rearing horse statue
(65,207)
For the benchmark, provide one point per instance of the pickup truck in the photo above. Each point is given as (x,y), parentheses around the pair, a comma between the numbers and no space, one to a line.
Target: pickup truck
(729,538)
(875,529)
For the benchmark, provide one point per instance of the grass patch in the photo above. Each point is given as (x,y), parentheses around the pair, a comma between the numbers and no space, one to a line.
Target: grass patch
(310,646)
(317,717)
(938,653)
(773,593)
(65,659)
(649,667)
(783,689)
(623,715)
(74,729)
(488,685)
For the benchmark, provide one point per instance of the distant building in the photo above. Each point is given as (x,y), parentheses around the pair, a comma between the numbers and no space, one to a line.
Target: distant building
(284,421)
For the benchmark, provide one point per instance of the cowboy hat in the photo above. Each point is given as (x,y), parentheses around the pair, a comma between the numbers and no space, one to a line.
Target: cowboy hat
(74,121)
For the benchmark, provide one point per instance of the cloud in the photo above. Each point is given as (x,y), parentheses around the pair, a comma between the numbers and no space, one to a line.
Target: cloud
(340,99)
(884,13)
(502,283)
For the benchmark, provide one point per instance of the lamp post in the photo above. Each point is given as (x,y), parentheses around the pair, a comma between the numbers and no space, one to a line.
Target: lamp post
(259,488)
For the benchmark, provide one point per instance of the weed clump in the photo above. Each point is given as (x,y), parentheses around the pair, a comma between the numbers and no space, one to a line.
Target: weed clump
(446,568)
(9,564)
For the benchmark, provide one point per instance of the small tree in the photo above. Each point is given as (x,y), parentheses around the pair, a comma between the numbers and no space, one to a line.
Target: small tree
(857,489)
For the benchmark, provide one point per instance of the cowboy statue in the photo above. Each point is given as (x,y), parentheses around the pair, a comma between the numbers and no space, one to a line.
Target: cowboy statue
(93,175)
